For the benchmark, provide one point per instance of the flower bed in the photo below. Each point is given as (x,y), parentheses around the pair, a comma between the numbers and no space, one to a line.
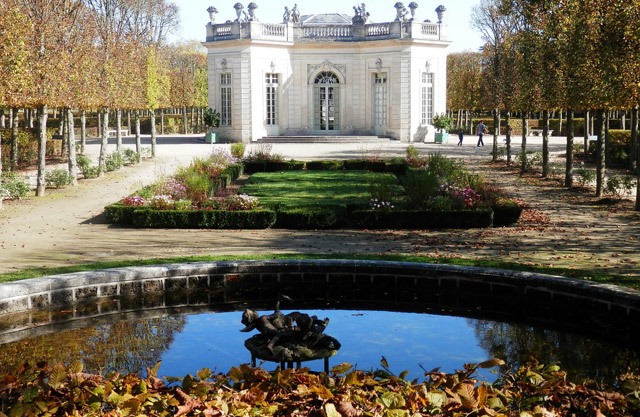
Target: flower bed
(415,193)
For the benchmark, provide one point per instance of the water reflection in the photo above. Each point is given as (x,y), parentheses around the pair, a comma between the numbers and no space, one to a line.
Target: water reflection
(128,346)
(583,357)
(409,341)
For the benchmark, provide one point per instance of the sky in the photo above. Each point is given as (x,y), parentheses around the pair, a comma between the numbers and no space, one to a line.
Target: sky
(194,16)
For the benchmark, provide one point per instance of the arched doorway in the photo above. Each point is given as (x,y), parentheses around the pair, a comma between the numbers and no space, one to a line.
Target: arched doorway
(326,111)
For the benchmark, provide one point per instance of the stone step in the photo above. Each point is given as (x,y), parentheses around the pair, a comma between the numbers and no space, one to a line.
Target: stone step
(322,139)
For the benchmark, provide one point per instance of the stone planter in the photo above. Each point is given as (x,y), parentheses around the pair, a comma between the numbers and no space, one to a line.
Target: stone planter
(211,137)
(442,137)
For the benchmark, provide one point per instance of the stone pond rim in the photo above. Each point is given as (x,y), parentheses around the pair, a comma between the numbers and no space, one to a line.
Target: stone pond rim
(600,310)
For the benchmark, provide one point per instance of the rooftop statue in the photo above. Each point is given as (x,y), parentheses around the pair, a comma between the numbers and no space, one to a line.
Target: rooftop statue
(295,14)
(361,14)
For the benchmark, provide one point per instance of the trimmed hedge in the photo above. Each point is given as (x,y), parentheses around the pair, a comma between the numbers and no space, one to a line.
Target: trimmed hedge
(251,167)
(396,167)
(418,219)
(190,219)
(316,218)
(118,213)
(332,165)
(324,218)
(506,215)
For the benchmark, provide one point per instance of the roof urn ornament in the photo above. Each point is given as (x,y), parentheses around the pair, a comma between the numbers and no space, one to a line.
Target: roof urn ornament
(212,14)
(252,12)
(440,12)
(401,12)
(239,7)
(412,8)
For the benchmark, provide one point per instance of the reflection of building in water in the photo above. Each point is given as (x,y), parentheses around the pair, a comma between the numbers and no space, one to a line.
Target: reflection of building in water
(327,74)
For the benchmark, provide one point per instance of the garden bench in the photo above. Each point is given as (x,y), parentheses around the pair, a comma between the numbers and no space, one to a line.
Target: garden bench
(538,132)
(123,132)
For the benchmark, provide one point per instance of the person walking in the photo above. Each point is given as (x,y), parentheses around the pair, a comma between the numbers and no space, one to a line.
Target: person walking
(481,129)
(460,136)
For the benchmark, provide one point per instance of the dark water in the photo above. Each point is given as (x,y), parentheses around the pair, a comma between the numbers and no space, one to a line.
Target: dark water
(415,342)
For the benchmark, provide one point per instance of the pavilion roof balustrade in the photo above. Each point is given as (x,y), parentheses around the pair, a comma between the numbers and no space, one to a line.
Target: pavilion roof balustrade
(289,32)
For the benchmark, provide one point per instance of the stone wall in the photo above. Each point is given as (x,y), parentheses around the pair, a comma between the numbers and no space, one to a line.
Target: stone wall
(554,302)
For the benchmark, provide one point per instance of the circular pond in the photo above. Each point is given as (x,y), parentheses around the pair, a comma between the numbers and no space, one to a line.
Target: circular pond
(416,316)
(414,342)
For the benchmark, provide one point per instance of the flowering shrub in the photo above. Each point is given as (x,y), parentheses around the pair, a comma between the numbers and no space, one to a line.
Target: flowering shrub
(161,202)
(183,204)
(133,201)
(174,188)
(222,157)
(380,205)
(467,196)
(239,202)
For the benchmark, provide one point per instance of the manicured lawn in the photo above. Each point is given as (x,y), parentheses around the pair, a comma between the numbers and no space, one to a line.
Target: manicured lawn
(304,188)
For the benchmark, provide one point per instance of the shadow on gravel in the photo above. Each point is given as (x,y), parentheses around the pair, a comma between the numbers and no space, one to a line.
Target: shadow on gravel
(99,219)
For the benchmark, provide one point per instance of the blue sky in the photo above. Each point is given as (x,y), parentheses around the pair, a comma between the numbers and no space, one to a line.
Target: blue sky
(194,16)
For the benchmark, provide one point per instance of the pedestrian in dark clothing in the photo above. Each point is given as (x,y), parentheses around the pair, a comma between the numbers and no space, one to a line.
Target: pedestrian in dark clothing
(481,129)
(460,137)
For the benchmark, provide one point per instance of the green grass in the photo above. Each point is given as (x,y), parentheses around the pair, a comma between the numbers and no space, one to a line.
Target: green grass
(584,274)
(304,188)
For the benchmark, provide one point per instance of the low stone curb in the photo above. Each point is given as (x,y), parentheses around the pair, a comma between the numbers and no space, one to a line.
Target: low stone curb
(606,310)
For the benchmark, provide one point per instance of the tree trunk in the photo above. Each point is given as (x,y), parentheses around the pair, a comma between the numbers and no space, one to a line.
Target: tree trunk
(73,163)
(42,150)
(63,132)
(508,130)
(600,152)
(184,120)
(138,140)
(2,119)
(607,149)
(104,142)
(83,130)
(13,155)
(545,143)
(633,161)
(568,172)
(162,121)
(118,125)
(523,152)
(587,133)
(496,127)
(153,133)
(560,122)
(1,162)
(28,118)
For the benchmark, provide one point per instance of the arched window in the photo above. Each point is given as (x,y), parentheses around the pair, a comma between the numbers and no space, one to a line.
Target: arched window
(326,77)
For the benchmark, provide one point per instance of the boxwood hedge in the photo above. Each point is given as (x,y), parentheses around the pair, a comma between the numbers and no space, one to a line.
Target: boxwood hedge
(311,218)
(505,215)
(418,219)
(320,218)
(190,219)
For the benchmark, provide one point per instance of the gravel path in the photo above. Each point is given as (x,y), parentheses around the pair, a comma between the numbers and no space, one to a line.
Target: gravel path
(562,228)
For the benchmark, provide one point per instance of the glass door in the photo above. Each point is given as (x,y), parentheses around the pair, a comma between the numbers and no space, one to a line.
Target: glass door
(327,114)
